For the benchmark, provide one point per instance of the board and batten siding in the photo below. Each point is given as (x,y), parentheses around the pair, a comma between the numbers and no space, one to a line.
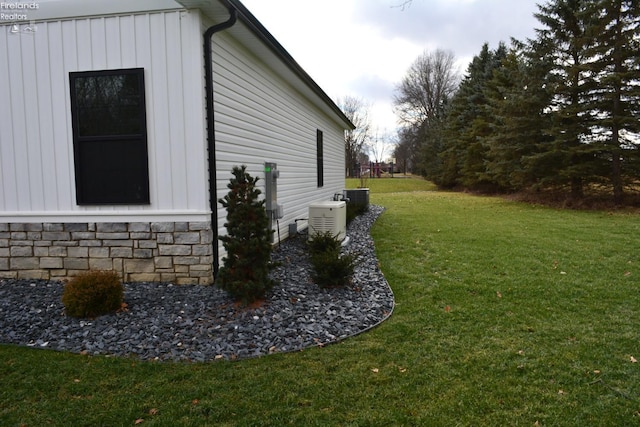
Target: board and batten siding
(260,117)
(36,144)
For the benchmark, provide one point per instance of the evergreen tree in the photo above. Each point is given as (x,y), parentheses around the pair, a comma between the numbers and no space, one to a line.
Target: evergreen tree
(615,98)
(245,271)
(593,45)
(568,157)
(429,159)
(465,133)
(517,98)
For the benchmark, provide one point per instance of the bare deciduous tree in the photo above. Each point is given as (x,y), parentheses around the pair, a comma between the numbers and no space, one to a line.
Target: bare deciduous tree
(380,146)
(355,140)
(404,4)
(429,83)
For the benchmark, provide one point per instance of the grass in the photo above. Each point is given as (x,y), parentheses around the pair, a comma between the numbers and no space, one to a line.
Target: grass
(507,314)
(392,185)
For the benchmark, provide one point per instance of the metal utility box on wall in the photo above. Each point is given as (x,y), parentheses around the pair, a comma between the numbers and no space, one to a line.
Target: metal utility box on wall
(271,175)
(273,208)
(328,216)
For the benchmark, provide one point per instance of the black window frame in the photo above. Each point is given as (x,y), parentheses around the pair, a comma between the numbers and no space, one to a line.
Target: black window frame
(112,165)
(320,157)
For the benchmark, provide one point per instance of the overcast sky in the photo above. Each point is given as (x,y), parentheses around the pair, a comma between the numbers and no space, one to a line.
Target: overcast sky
(363,48)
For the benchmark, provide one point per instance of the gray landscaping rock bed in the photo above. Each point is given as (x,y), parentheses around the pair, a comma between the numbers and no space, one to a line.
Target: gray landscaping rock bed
(201,323)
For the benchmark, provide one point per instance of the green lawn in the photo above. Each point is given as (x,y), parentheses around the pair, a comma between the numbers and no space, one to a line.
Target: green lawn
(507,314)
(392,185)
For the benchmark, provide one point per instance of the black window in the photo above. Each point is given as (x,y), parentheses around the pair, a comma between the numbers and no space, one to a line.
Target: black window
(319,157)
(110,137)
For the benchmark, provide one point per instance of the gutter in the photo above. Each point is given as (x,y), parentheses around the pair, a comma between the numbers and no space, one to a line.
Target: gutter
(211,134)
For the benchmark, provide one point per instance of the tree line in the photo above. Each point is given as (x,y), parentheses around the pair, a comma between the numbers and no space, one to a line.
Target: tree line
(558,111)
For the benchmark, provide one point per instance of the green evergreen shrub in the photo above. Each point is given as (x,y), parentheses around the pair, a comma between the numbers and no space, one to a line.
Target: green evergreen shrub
(93,294)
(246,266)
(330,268)
(323,242)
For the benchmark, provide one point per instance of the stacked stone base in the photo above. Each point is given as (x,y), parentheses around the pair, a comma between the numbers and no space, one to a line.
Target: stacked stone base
(177,252)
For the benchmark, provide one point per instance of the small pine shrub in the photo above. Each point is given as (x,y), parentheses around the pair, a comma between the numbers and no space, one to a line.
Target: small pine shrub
(330,268)
(323,242)
(245,273)
(93,294)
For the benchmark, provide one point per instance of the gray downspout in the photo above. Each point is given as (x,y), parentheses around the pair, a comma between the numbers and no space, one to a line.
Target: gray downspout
(211,134)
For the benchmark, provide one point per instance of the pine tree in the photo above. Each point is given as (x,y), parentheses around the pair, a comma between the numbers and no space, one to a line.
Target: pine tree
(429,161)
(568,157)
(595,75)
(465,108)
(467,126)
(245,271)
(615,41)
(517,98)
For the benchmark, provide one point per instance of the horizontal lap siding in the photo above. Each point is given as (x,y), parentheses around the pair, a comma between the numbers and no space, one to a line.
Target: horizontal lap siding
(36,145)
(261,118)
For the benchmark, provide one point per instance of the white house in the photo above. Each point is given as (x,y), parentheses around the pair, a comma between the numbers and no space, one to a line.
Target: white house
(107,147)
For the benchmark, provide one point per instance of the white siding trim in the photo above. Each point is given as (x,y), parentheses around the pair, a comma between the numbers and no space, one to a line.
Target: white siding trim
(98,216)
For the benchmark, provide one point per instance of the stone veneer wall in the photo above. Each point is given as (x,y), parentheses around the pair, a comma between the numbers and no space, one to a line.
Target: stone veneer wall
(177,252)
